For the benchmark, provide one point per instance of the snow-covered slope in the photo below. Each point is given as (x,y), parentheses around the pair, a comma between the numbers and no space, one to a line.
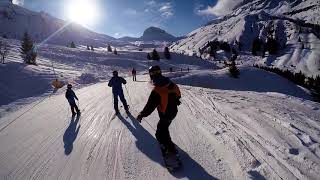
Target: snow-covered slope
(287,20)
(221,134)
(78,66)
(260,126)
(15,20)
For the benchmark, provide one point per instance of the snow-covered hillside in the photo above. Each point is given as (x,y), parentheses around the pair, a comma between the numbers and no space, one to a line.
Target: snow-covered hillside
(221,134)
(76,65)
(15,20)
(288,21)
(260,126)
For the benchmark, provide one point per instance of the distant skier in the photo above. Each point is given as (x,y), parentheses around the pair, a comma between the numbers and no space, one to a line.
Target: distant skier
(116,84)
(165,96)
(71,96)
(134,74)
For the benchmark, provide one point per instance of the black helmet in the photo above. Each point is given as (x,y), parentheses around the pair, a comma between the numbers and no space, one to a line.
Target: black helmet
(69,86)
(154,70)
(115,73)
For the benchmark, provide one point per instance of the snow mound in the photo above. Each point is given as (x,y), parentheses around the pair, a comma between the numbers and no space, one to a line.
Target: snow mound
(19,81)
(251,79)
(87,78)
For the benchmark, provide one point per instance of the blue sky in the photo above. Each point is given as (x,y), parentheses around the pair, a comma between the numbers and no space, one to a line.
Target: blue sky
(119,18)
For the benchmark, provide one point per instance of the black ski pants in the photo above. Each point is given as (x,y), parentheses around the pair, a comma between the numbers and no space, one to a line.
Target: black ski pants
(163,134)
(116,101)
(74,108)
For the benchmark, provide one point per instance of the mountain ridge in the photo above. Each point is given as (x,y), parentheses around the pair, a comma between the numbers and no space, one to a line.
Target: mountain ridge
(41,25)
(263,19)
(152,34)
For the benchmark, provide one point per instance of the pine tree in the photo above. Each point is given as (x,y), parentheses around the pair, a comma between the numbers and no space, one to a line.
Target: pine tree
(310,82)
(234,71)
(4,51)
(299,78)
(272,45)
(109,48)
(155,55)
(148,56)
(167,54)
(317,83)
(115,51)
(73,45)
(27,49)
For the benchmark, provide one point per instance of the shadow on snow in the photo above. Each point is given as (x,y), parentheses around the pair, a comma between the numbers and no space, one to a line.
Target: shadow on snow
(71,134)
(147,144)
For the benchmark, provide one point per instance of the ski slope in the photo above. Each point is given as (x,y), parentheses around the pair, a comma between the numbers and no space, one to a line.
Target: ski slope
(221,134)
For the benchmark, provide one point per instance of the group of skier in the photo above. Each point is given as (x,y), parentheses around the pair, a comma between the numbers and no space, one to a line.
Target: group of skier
(165,96)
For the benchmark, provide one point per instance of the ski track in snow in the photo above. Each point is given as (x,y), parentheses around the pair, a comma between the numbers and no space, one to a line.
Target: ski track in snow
(220,134)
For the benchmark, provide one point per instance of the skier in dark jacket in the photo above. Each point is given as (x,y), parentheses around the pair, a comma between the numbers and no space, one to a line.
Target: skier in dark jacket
(134,74)
(116,84)
(166,98)
(71,96)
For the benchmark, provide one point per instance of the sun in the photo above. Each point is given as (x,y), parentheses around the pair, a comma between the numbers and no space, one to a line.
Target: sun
(84,12)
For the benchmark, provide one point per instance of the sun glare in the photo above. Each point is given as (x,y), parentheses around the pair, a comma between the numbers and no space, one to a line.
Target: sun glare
(84,12)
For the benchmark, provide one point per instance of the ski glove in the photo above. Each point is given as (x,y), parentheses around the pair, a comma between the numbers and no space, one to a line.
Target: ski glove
(139,118)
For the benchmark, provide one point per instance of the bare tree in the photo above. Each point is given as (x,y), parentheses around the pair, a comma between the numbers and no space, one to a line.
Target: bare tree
(4,51)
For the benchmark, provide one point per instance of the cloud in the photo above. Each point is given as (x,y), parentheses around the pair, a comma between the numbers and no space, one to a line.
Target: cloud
(156,13)
(18,2)
(151,3)
(222,7)
(166,10)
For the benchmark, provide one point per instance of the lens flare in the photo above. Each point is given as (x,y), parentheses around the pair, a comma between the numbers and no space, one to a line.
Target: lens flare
(84,12)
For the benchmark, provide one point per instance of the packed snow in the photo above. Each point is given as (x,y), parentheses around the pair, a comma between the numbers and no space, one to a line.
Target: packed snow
(257,126)
(260,126)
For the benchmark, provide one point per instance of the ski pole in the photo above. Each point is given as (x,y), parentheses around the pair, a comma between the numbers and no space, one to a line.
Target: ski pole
(150,125)
(128,94)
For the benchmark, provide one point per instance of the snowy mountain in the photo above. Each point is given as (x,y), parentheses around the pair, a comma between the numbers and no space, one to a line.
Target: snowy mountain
(293,23)
(257,126)
(152,34)
(156,34)
(15,20)
(260,126)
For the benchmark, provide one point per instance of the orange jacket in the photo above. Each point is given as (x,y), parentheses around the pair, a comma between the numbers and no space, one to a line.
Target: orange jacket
(165,98)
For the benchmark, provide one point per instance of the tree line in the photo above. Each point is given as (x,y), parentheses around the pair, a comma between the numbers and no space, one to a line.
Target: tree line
(154,55)
(311,83)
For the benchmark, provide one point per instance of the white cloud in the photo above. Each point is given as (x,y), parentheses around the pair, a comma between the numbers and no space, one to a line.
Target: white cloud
(222,7)
(18,2)
(158,13)
(166,10)
(151,3)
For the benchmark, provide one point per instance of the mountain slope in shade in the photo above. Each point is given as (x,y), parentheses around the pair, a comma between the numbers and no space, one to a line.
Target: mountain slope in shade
(288,21)
(152,34)
(15,20)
